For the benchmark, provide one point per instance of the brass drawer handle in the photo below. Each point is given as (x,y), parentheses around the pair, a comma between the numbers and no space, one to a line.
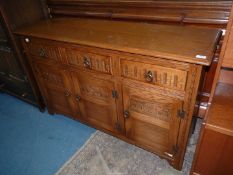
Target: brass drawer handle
(87,62)
(78,98)
(67,93)
(126,114)
(42,52)
(149,76)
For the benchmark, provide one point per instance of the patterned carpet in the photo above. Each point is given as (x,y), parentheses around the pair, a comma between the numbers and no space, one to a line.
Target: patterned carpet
(106,155)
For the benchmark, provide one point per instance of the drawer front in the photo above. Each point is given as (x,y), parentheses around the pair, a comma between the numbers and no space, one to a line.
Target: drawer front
(154,74)
(89,61)
(43,49)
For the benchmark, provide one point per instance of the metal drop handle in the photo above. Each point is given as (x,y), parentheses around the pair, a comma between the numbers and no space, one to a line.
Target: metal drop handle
(149,76)
(126,114)
(42,52)
(87,62)
(78,98)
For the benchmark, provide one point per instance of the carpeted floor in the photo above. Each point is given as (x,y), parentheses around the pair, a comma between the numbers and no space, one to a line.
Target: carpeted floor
(35,143)
(106,155)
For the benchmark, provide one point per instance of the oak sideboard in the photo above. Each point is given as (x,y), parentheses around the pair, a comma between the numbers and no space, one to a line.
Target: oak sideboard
(136,81)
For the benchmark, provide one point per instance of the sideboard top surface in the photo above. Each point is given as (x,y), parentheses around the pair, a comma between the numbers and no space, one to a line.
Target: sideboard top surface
(181,43)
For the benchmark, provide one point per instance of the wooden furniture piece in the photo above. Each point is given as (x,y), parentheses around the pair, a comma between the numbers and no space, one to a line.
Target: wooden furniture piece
(227,56)
(136,81)
(214,151)
(15,75)
(204,13)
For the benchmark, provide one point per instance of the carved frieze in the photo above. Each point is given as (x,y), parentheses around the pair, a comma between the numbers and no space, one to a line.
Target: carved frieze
(95,92)
(52,78)
(156,109)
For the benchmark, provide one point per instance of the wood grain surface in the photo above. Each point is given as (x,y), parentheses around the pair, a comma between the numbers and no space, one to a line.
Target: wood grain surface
(188,44)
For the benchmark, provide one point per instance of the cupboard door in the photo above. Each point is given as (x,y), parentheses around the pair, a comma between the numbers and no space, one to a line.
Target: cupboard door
(151,120)
(56,88)
(95,100)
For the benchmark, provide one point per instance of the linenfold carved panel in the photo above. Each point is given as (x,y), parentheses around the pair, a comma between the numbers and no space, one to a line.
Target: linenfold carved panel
(92,88)
(50,76)
(97,62)
(53,78)
(95,92)
(160,109)
(154,74)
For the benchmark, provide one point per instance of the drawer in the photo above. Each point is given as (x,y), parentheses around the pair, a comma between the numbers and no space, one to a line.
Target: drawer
(43,49)
(88,60)
(154,74)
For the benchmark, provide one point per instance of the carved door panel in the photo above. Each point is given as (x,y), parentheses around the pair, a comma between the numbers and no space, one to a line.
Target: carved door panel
(95,100)
(151,120)
(56,88)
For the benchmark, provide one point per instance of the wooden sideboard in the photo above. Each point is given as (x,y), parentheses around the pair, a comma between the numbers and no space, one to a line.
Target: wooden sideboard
(204,13)
(136,81)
